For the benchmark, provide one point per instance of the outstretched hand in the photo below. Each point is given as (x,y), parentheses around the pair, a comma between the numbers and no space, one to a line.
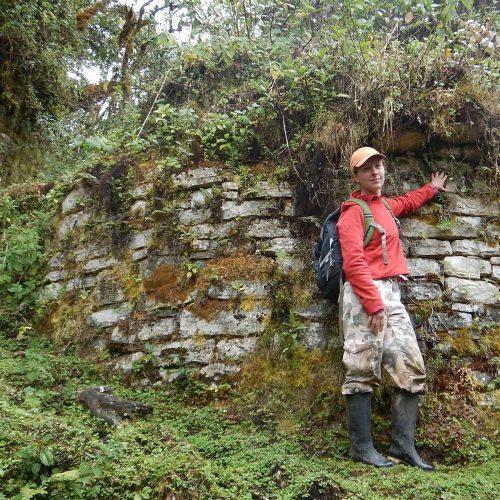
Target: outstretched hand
(438,179)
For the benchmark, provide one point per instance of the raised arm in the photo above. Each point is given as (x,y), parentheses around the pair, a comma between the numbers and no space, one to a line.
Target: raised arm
(409,202)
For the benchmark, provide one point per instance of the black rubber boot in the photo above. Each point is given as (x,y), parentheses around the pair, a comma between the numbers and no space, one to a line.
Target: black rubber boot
(359,424)
(404,422)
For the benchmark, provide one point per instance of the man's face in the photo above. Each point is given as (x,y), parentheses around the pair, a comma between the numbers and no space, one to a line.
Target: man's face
(370,176)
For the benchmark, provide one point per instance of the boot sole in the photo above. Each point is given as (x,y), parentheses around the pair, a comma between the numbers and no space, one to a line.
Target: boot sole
(399,461)
(384,466)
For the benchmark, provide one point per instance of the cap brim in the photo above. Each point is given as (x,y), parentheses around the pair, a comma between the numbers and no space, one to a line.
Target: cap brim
(364,160)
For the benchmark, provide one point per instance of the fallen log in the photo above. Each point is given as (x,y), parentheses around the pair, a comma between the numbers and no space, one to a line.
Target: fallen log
(101,403)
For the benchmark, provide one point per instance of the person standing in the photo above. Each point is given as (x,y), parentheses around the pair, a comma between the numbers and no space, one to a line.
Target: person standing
(376,326)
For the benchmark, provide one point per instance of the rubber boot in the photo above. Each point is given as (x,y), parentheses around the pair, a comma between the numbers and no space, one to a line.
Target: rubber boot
(404,422)
(359,416)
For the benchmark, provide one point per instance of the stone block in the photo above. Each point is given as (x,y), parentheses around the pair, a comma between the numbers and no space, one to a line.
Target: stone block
(495,272)
(450,321)
(481,378)
(315,335)
(218,370)
(81,283)
(75,200)
(138,209)
(444,348)
(474,248)
(50,292)
(190,351)
(96,265)
(223,291)
(138,255)
(140,239)
(164,328)
(485,268)
(468,308)
(493,230)
(419,268)
(108,293)
(91,251)
(267,228)
(288,263)
(251,208)
(141,191)
(462,267)
(203,245)
(253,289)
(235,349)
(266,189)
(495,261)
(315,311)
(196,178)
(170,375)
(230,186)
(200,198)
(490,400)
(288,209)
(463,227)
(71,222)
(125,364)
(56,261)
(493,315)
(435,249)
(54,276)
(229,195)
(150,265)
(109,317)
(457,204)
(233,323)
(118,336)
(479,292)
(203,255)
(276,246)
(421,290)
(213,231)
(194,216)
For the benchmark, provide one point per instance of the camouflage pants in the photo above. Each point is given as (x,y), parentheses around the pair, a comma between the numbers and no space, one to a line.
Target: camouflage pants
(395,348)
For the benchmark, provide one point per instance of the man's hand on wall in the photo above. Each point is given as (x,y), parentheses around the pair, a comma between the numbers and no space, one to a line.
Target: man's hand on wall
(438,179)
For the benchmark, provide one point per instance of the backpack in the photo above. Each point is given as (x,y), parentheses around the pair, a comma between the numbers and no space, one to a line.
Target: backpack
(327,255)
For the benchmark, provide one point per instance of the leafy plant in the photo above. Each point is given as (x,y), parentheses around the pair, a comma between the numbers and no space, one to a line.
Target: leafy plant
(228,136)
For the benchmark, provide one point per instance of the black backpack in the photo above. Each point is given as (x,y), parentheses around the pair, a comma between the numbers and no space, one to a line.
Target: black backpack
(327,255)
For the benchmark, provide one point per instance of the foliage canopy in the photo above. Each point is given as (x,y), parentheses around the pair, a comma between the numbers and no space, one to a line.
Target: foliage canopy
(327,76)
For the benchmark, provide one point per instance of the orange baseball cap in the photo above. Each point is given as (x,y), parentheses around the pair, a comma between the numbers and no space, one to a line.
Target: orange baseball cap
(361,155)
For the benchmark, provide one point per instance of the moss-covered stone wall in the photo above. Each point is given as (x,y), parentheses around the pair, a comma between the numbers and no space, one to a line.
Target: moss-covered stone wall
(169,273)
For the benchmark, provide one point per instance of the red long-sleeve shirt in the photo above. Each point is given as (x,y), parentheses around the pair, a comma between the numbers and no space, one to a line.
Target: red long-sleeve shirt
(363,265)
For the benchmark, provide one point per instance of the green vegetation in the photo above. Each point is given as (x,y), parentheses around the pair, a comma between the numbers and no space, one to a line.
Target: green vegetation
(200,442)
(270,81)
(26,218)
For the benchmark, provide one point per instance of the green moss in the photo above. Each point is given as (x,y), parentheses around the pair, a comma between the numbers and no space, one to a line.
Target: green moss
(424,309)
(461,342)
(202,442)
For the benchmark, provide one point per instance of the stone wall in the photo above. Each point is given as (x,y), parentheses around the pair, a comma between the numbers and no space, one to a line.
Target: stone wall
(195,267)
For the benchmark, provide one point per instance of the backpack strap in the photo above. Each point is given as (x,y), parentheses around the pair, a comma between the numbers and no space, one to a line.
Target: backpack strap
(386,203)
(371,225)
(368,216)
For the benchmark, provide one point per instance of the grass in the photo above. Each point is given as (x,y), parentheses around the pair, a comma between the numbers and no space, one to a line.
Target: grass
(195,444)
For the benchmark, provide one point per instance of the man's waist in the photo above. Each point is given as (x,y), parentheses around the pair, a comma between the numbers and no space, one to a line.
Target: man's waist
(398,277)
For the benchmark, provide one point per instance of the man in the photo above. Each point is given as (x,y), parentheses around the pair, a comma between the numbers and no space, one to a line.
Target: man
(377,329)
